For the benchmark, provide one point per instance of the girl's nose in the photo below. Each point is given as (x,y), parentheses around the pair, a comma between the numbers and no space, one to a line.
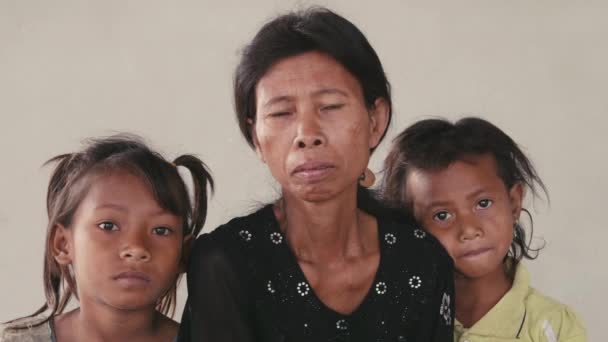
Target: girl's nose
(135,254)
(471,229)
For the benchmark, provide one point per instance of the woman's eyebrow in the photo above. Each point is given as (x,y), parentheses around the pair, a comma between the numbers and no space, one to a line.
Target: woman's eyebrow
(329,91)
(277,99)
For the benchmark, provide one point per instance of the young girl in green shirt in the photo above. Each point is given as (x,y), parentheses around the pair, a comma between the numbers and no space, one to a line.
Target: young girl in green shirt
(465,183)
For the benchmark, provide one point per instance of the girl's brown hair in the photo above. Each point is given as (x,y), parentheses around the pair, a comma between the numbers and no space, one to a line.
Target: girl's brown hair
(71,180)
(434,144)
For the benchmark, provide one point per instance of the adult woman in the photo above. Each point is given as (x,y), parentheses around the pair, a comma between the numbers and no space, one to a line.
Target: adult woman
(324,262)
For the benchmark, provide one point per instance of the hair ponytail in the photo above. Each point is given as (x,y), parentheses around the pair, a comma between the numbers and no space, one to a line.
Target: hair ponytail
(201,179)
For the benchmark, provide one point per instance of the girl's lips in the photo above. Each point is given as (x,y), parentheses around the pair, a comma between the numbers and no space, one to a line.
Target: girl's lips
(132,279)
(475,252)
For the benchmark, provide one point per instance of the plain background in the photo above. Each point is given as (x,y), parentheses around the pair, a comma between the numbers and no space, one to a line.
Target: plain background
(75,69)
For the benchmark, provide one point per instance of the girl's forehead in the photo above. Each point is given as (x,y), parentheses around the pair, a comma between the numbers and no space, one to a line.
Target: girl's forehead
(117,182)
(465,175)
(120,190)
(468,166)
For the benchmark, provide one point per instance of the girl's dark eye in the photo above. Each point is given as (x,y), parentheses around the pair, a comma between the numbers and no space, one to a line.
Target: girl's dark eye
(109,226)
(484,203)
(442,216)
(164,231)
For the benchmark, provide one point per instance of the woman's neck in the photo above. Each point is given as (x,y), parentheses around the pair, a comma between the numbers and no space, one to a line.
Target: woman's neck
(326,231)
(100,322)
(475,297)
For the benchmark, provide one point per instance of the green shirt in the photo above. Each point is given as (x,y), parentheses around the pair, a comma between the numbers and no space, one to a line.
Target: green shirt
(524,314)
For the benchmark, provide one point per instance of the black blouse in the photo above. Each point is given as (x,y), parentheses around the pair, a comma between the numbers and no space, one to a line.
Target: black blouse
(245,285)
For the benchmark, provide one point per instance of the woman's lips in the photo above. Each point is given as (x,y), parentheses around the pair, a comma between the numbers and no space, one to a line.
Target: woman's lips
(313,171)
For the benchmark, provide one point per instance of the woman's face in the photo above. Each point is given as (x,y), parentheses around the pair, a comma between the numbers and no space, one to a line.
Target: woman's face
(312,126)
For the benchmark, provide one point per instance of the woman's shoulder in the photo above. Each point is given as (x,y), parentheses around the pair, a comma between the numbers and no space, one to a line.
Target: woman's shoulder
(551,318)
(417,245)
(227,242)
(28,329)
(237,230)
(416,260)
(243,227)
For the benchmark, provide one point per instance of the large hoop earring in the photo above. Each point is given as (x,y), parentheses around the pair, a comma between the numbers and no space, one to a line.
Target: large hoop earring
(367,178)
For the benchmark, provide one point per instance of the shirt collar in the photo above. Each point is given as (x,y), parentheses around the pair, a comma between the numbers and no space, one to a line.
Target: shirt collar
(506,318)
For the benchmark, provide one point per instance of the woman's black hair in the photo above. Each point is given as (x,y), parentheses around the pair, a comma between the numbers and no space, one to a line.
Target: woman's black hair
(313,29)
(434,144)
(294,33)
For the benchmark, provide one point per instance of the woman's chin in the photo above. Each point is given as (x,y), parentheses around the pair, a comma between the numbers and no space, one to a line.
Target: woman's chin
(318,192)
(316,196)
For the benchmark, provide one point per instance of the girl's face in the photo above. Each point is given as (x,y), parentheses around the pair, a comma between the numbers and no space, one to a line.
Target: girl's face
(469,209)
(313,128)
(124,248)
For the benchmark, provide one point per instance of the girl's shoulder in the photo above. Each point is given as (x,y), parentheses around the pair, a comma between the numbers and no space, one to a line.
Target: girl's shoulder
(28,329)
(553,320)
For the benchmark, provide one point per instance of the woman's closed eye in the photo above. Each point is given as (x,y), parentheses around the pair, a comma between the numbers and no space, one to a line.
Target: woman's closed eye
(484,203)
(332,107)
(279,114)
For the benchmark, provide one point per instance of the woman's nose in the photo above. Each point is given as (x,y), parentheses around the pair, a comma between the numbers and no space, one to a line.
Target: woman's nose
(309,131)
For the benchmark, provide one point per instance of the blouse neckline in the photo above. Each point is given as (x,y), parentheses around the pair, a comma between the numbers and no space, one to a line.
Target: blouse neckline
(290,261)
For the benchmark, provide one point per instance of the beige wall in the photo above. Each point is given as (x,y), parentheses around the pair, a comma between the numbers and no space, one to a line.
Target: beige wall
(73,69)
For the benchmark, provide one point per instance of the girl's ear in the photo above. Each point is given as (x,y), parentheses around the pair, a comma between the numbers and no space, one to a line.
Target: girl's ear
(516,197)
(62,245)
(186,249)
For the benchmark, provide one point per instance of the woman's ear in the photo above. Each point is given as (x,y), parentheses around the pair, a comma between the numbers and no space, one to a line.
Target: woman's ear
(516,197)
(378,122)
(254,139)
(62,245)
(186,250)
